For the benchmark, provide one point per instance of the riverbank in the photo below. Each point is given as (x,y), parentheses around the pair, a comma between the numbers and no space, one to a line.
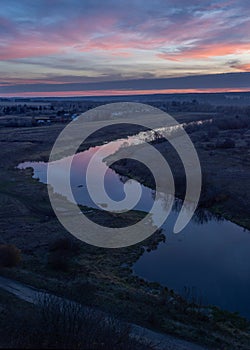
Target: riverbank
(225,173)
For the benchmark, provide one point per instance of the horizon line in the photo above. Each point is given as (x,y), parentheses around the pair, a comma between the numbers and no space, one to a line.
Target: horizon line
(124,93)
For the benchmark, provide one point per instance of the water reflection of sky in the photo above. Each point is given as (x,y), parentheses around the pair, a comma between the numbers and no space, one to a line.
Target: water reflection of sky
(210,255)
(213,258)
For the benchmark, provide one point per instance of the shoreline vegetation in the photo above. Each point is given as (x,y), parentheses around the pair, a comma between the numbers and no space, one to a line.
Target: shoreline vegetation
(224,167)
(55,261)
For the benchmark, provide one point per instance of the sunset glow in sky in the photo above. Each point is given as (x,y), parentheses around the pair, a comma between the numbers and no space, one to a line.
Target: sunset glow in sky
(77,47)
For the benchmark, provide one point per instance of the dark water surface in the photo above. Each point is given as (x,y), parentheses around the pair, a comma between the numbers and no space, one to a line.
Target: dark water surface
(210,256)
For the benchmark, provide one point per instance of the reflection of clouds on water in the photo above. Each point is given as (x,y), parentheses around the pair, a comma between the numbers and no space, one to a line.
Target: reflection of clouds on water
(79,164)
(65,175)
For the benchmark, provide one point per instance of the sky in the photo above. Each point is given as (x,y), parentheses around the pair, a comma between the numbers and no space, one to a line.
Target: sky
(97,47)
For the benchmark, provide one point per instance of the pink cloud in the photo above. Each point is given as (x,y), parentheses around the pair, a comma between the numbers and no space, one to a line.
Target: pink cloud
(18,49)
(51,39)
(206,51)
(120,41)
(118,36)
(243,67)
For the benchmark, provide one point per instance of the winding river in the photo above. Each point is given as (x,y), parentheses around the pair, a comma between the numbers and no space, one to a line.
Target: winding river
(208,261)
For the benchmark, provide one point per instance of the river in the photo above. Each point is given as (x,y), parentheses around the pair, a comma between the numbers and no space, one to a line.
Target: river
(208,261)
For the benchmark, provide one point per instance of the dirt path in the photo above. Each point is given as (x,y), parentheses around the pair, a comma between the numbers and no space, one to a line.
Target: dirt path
(163,341)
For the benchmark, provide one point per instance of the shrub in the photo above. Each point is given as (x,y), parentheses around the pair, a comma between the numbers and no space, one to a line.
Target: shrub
(58,261)
(62,244)
(64,324)
(10,255)
(230,123)
(60,254)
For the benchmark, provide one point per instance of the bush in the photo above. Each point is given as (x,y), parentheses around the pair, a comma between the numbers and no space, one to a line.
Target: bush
(58,261)
(230,123)
(10,255)
(61,252)
(64,244)
(64,324)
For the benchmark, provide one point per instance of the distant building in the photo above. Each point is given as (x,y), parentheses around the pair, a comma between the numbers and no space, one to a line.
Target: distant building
(42,120)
